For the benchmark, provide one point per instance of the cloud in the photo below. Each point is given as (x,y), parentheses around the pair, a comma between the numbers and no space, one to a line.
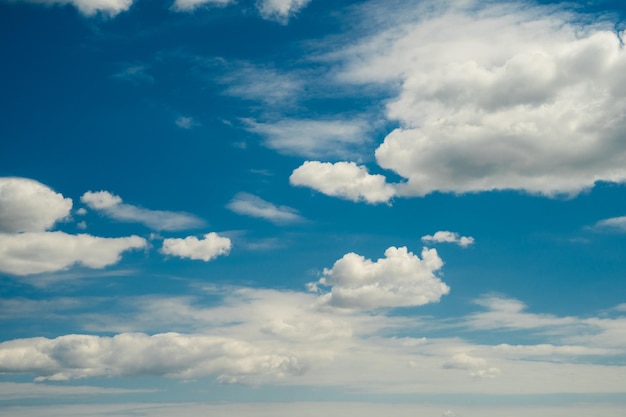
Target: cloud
(29,206)
(38,252)
(136,74)
(90,7)
(448,237)
(280,10)
(312,138)
(343,179)
(501,96)
(112,206)
(185,122)
(464,361)
(401,279)
(262,84)
(191,5)
(135,354)
(212,246)
(251,205)
(614,223)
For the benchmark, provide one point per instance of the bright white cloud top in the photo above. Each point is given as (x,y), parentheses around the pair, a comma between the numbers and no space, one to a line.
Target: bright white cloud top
(29,206)
(209,247)
(400,279)
(343,179)
(112,206)
(38,252)
(444,236)
(90,7)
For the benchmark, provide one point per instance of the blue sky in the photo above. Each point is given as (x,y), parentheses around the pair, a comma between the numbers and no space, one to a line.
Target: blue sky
(306,207)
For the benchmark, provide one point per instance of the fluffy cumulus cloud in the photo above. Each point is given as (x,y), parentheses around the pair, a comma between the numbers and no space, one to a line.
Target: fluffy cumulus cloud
(136,354)
(506,96)
(313,138)
(280,10)
(399,279)
(343,179)
(38,252)
(444,236)
(209,247)
(29,206)
(113,206)
(90,7)
(251,205)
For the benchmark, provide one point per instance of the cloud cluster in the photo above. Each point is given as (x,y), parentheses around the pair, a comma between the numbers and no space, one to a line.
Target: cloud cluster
(501,96)
(29,206)
(27,210)
(210,247)
(343,179)
(400,279)
(112,206)
(444,236)
(137,354)
(280,10)
(251,205)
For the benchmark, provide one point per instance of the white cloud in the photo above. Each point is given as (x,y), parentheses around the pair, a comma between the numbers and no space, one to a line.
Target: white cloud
(444,236)
(280,10)
(29,206)
(112,206)
(136,354)
(210,247)
(313,138)
(90,7)
(464,361)
(400,279)
(191,5)
(343,179)
(500,96)
(251,205)
(38,252)
(613,223)
(185,122)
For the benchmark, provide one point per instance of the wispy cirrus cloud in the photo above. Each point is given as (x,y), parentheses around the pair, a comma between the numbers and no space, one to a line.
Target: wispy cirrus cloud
(112,206)
(254,206)
(89,7)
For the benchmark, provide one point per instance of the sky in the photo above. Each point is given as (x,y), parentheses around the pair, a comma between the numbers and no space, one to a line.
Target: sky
(310,207)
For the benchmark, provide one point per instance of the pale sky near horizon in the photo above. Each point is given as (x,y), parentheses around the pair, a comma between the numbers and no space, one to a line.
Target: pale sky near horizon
(305,207)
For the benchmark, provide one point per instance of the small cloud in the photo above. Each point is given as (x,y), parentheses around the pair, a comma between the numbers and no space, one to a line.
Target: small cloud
(90,7)
(463,361)
(81,211)
(210,247)
(112,206)
(448,237)
(280,10)
(617,224)
(191,5)
(343,179)
(81,225)
(186,122)
(135,74)
(251,205)
(486,373)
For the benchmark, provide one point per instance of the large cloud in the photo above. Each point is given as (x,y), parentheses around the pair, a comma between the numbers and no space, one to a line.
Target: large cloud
(503,96)
(112,206)
(136,354)
(29,206)
(90,7)
(37,252)
(343,179)
(400,279)
(210,247)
